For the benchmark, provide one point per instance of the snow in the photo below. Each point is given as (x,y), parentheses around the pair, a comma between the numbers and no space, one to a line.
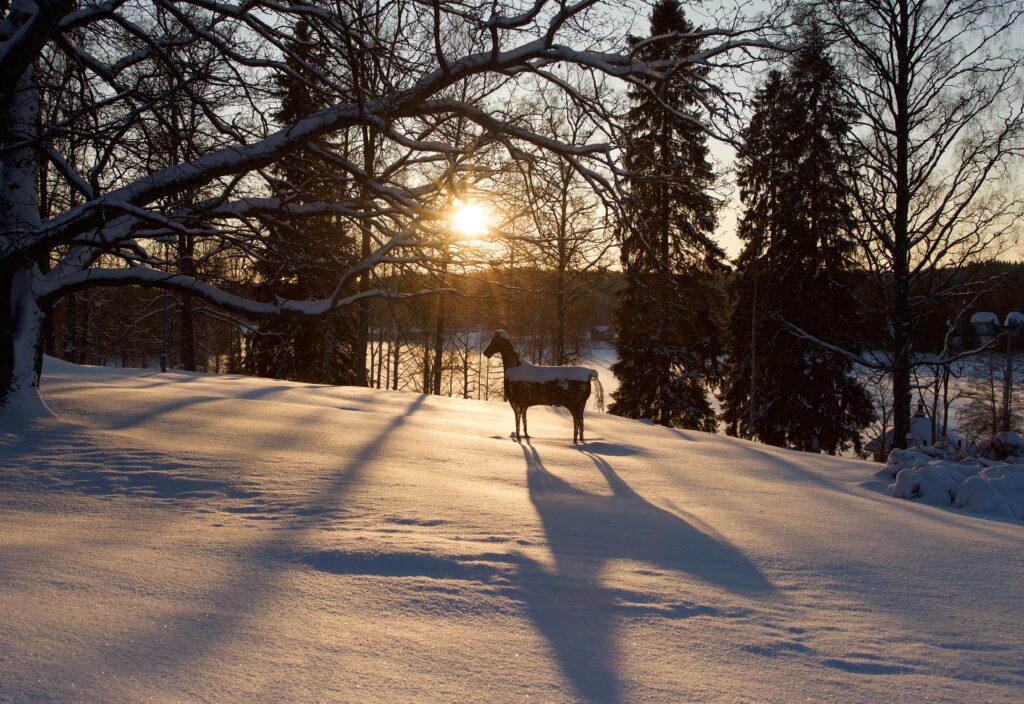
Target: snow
(524,371)
(985,318)
(193,537)
(934,476)
(1010,442)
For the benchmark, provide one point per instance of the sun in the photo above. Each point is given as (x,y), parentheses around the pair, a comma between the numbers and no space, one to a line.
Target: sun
(471,220)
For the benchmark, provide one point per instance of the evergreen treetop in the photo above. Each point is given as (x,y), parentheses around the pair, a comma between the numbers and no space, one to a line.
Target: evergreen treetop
(794,269)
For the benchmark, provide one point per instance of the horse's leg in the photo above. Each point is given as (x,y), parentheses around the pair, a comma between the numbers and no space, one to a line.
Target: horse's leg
(515,410)
(526,431)
(581,425)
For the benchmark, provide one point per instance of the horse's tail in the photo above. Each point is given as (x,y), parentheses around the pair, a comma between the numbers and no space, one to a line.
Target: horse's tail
(596,383)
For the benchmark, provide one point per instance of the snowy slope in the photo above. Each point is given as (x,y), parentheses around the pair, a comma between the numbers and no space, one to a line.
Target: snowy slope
(183,537)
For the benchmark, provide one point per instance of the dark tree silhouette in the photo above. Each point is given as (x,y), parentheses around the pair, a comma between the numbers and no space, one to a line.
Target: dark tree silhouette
(668,337)
(795,266)
(304,253)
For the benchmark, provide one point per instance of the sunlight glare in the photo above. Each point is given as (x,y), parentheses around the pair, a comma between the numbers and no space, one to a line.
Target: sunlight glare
(471,220)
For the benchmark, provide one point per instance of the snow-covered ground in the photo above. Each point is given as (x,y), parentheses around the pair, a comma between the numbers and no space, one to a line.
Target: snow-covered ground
(183,537)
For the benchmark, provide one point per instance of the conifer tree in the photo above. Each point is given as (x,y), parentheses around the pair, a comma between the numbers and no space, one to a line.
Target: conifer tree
(668,342)
(794,269)
(304,254)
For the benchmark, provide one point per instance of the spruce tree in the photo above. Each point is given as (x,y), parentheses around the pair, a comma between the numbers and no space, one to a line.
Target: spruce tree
(304,256)
(794,269)
(669,339)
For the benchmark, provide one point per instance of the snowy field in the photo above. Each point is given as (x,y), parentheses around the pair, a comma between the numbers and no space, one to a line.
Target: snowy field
(184,537)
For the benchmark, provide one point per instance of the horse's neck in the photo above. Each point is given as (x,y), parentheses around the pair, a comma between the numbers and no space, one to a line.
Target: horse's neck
(510,358)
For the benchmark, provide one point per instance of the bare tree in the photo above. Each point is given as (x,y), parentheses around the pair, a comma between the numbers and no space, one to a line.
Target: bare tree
(938,89)
(570,233)
(105,234)
(980,417)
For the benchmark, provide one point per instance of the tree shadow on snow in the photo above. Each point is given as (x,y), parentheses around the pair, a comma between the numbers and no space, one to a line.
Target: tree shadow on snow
(133,417)
(174,641)
(572,608)
(72,459)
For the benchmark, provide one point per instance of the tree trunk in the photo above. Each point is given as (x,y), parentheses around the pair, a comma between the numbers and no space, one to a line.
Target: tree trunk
(560,356)
(439,344)
(22,318)
(945,402)
(901,388)
(563,265)
(396,357)
(22,324)
(380,357)
(752,410)
(427,378)
(363,333)
(187,324)
(901,311)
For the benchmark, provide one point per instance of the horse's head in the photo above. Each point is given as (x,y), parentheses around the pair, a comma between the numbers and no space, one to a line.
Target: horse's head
(499,341)
(501,344)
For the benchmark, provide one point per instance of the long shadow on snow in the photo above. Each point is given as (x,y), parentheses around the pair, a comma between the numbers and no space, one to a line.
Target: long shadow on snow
(572,608)
(70,459)
(131,419)
(174,641)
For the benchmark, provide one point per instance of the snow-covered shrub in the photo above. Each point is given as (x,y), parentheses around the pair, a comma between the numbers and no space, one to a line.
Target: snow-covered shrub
(902,459)
(936,482)
(1008,444)
(981,496)
(947,451)
(977,484)
(907,459)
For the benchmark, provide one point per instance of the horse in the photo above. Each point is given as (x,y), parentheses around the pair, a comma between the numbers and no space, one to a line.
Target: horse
(531,385)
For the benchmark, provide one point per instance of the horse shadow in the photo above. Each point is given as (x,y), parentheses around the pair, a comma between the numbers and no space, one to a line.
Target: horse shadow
(571,606)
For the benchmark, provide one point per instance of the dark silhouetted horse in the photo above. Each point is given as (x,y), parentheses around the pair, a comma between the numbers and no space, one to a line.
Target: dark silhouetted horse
(530,385)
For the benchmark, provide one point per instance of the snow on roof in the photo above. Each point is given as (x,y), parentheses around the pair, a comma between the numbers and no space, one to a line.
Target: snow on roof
(984,318)
(1014,319)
